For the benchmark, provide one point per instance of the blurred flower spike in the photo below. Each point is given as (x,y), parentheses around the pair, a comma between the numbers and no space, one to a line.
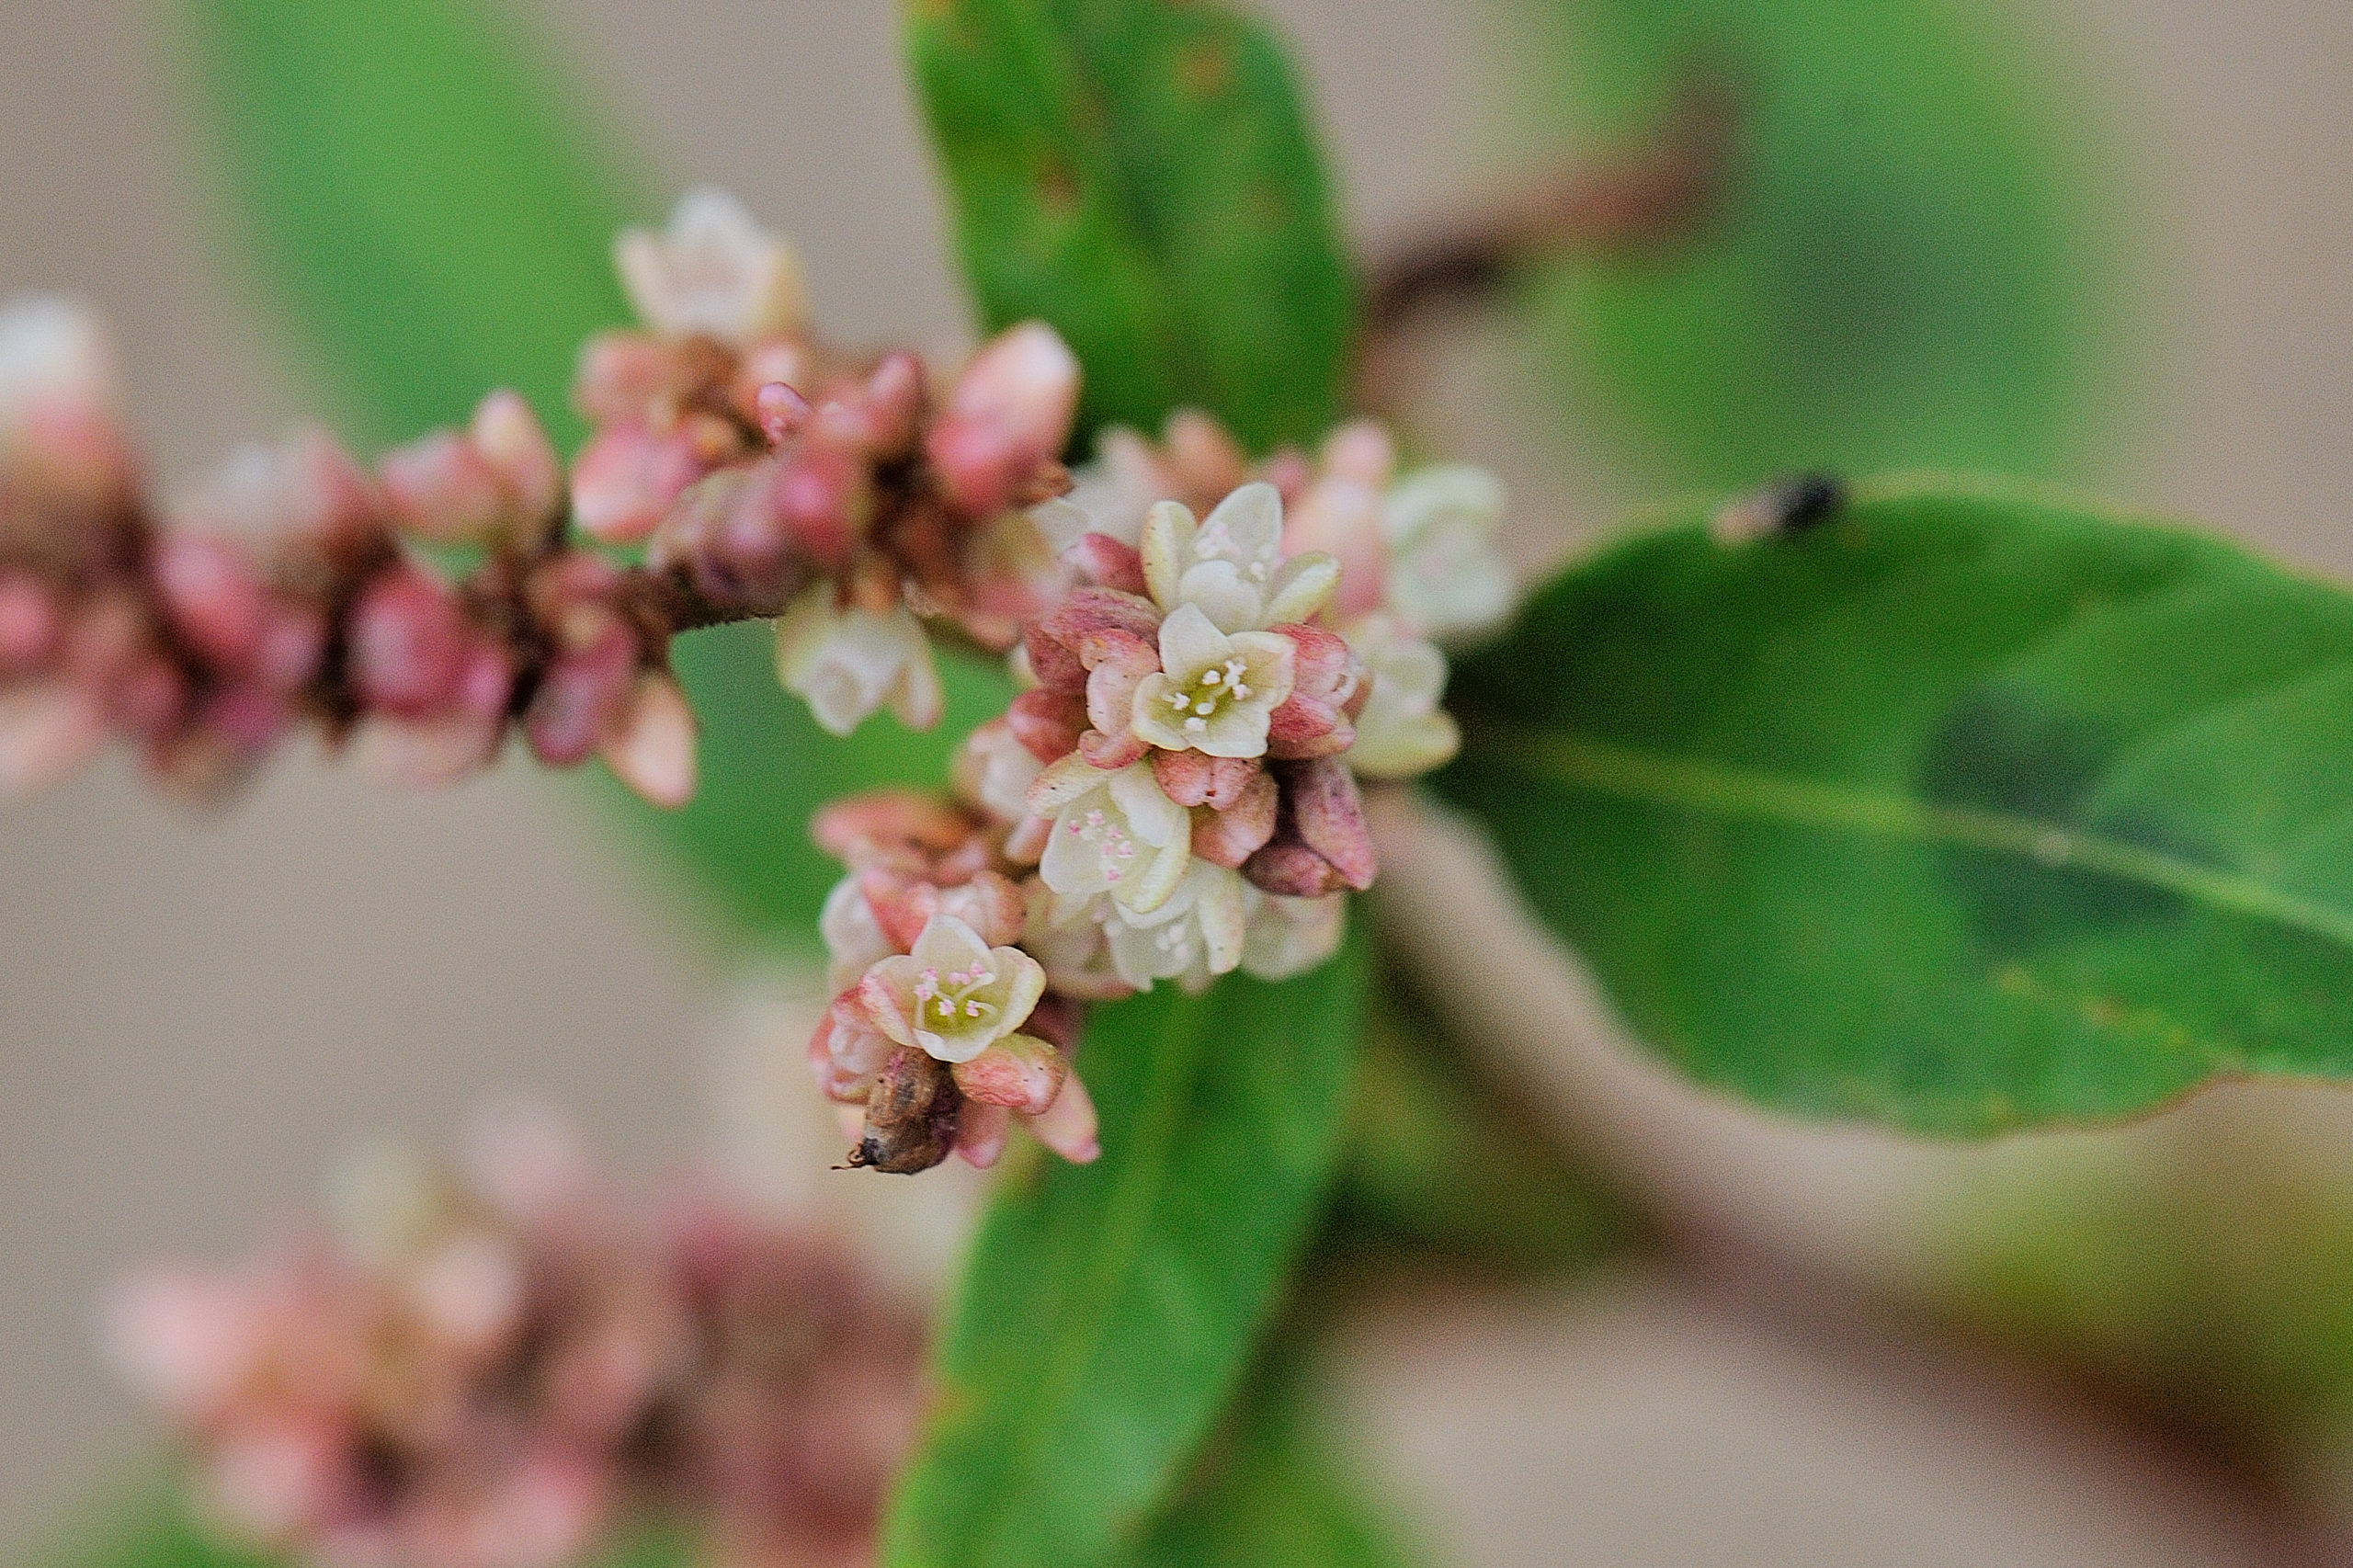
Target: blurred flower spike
(497,1363)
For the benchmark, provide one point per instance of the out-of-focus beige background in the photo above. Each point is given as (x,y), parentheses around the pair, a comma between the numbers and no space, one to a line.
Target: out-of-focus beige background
(194,1014)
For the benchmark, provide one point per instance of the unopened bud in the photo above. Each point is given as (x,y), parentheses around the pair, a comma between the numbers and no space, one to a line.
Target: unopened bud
(1009,411)
(1020,1071)
(782,411)
(408,640)
(652,749)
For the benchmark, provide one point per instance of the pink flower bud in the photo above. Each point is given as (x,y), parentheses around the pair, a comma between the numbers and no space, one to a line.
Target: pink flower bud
(846,1053)
(585,690)
(1229,834)
(215,599)
(1057,644)
(653,751)
(1068,1126)
(782,411)
(1207,463)
(32,623)
(1342,519)
(622,375)
(49,729)
(1322,843)
(1105,562)
(294,642)
(626,480)
(1020,1071)
(516,445)
(408,643)
(820,496)
(1009,413)
(981,1132)
(442,488)
(894,396)
(1196,779)
(1327,688)
(1048,723)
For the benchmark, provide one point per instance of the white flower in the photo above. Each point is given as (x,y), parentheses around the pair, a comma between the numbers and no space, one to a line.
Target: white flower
(1403,731)
(1445,576)
(954,996)
(1195,936)
(54,356)
(1231,563)
(847,662)
(1290,936)
(1114,834)
(1213,693)
(714,273)
(854,938)
(1067,937)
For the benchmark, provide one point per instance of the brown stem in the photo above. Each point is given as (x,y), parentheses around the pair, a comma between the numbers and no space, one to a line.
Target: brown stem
(1644,201)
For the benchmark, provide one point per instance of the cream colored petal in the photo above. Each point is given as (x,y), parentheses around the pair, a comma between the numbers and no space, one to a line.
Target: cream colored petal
(1167,550)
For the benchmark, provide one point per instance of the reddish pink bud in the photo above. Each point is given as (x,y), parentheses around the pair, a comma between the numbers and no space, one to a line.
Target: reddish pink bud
(624,374)
(1322,843)
(516,445)
(215,599)
(821,495)
(1105,562)
(585,690)
(294,642)
(1068,1126)
(981,1132)
(47,730)
(1195,779)
(782,411)
(626,480)
(1057,644)
(1020,1071)
(1009,413)
(32,623)
(653,751)
(1230,835)
(149,698)
(882,823)
(1057,1019)
(407,642)
(1048,723)
(441,487)
(486,681)
(1327,688)
(893,395)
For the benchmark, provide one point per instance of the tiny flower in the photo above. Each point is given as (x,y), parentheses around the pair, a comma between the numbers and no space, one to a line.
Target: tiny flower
(1290,936)
(847,663)
(1402,731)
(954,996)
(54,361)
(1231,563)
(1193,937)
(714,273)
(1113,833)
(1445,577)
(1214,692)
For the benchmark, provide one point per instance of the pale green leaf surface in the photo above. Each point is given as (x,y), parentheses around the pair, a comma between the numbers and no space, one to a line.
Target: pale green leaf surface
(1972,809)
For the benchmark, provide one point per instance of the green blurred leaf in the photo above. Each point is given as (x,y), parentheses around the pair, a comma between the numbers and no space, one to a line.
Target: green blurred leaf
(1271,1494)
(439,216)
(1109,1311)
(1441,1158)
(1915,266)
(147,1526)
(1968,810)
(1141,174)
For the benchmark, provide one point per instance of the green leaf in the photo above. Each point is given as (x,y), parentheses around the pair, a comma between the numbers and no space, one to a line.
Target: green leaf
(1442,1159)
(441,223)
(1914,265)
(1970,808)
(1271,1494)
(1140,173)
(1109,1311)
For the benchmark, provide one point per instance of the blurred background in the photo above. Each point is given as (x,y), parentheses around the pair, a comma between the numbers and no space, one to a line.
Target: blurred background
(196,1014)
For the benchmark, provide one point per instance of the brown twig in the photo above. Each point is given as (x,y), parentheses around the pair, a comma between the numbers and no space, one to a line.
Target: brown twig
(1645,200)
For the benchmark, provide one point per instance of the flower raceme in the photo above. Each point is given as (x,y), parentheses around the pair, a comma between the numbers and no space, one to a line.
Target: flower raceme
(764,475)
(1174,797)
(492,1364)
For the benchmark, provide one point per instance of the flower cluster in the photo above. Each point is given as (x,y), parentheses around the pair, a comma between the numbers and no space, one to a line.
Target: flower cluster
(487,1367)
(1175,795)
(764,474)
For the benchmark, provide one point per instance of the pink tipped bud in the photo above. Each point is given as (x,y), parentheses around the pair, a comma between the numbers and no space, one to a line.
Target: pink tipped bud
(782,411)
(1230,835)
(624,374)
(1010,411)
(442,488)
(516,445)
(1327,690)
(48,730)
(626,480)
(215,599)
(408,639)
(820,496)
(1047,724)
(293,642)
(894,396)
(1020,1071)
(653,750)
(1105,562)
(582,695)
(1205,460)
(981,1131)
(32,623)
(1068,1126)
(1342,519)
